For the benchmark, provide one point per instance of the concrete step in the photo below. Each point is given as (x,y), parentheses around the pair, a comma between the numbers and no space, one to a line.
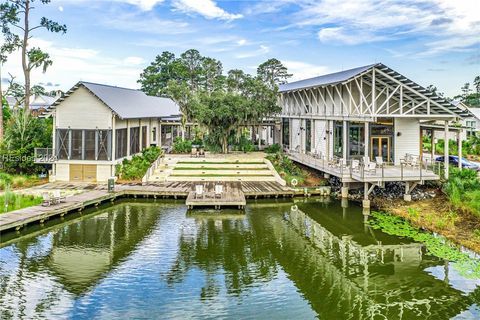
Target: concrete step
(221,172)
(219,165)
(224,178)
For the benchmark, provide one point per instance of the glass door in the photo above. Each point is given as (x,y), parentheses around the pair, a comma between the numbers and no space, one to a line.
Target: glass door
(380,147)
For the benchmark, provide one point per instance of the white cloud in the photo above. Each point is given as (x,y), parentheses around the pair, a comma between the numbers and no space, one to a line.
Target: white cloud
(144,4)
(249,54)
(302,70)
(73,64)
(206,8)
(134,61)
(60,8)
(341,35)
(146,23)
(241,42)
(448,25)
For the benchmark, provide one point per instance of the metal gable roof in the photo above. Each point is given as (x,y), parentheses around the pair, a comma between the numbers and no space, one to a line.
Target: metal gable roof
(129,103)
(327,79)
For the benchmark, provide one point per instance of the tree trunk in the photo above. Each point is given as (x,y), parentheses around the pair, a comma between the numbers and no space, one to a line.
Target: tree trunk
(224,145)
(26,71)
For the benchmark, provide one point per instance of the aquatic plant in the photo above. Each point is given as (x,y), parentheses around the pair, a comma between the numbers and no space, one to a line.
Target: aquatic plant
(436,245)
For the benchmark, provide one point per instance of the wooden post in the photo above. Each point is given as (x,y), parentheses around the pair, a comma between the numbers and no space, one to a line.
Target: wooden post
(446,152)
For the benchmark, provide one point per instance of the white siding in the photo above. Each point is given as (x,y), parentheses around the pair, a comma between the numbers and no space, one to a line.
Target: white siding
(62,172)
(82,110)
(409,139)
(295,133)
(104,172)
(320,143)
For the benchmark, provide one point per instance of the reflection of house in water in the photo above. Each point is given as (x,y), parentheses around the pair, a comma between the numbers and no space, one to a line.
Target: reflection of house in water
(84,252)
(341,277)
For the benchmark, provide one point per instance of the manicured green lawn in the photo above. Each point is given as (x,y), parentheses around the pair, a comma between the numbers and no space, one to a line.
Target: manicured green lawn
(223,162)
(219,168)
(220,175)
(17,201)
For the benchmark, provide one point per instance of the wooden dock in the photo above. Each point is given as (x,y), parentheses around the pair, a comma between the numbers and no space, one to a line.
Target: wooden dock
(232,196)
(235,194)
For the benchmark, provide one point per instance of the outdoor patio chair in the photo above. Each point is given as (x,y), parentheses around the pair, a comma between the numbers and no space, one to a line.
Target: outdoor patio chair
(379,161)
(355,165)
(371,168)
(406,160)
(201,152)
(366,160)
(58,197)
(194,152)
(47,200)
(198,191)
(218,190)
(415,162)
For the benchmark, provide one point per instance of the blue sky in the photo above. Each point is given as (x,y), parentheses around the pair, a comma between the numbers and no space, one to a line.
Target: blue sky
(431,41)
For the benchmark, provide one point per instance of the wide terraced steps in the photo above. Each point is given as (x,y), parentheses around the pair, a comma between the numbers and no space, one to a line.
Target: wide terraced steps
(215,169)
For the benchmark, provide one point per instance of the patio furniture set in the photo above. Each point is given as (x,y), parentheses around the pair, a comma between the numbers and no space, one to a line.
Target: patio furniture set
(53,198)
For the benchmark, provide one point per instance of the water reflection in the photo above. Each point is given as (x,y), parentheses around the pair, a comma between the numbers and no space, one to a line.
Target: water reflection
(155,259)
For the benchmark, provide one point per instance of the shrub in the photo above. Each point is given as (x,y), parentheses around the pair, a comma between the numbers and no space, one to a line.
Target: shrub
(463,190)
(136,167)
(182,146)
(274,148)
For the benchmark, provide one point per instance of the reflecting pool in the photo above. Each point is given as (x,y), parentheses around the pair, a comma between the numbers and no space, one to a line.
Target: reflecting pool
(277,260)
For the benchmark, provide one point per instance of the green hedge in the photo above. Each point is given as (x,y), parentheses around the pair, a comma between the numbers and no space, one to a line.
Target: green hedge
(136,167)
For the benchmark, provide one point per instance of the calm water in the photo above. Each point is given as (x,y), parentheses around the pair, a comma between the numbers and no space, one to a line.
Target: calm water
(158,260)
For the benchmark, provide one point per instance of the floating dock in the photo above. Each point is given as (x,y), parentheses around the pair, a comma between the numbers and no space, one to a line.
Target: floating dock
(231,196)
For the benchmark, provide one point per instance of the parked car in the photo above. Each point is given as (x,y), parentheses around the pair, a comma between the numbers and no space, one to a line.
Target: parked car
(453,160)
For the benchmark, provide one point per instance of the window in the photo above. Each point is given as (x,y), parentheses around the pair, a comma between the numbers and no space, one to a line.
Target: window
(356,140)
(308,135)
(104,144)
(338,139)
(134,140)
(154,134)
(144,137)
(90,145)
(63,144)
(286,133)
(77,145)
(120,143)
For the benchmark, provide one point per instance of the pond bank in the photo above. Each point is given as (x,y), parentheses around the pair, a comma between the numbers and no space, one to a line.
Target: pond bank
(436,215)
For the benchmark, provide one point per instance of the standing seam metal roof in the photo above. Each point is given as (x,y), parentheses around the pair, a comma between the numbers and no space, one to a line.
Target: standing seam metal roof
(129,103)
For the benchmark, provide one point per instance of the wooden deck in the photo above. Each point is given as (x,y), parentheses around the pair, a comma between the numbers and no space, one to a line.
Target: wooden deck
(92,195)
(232,196)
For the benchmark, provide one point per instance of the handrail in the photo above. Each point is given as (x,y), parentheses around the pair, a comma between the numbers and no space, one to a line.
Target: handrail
(151,169)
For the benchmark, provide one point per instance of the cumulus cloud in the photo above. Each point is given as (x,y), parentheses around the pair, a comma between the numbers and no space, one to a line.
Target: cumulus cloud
(206,8)
(301,70)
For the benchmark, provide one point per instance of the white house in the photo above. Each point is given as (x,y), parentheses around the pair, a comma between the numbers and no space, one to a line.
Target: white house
(96,126)
(363,125)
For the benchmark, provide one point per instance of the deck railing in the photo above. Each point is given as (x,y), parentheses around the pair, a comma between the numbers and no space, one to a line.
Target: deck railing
(44,155)
(370,171)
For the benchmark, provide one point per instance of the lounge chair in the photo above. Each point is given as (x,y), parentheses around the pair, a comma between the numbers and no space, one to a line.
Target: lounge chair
(355,165)
(47,200)
(58,197)
(379,161)
(194,152)
(371,168)
(218,190)
(198,191)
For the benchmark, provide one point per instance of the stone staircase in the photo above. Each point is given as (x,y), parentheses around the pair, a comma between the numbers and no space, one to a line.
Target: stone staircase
(215,169)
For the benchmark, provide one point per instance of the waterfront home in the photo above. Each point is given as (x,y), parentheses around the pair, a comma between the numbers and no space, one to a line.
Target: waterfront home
(364,125)
(39,103)
(96,126)
(469,125)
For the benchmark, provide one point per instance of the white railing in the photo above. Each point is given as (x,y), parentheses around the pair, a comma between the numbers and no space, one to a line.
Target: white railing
(151,170)
(44,155)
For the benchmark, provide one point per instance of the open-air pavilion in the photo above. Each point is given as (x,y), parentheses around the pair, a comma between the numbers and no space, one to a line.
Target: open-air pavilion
(365,125)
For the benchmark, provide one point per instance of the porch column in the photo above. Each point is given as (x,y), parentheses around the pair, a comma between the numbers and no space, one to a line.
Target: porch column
(344,139)
(159,134)
(128,137)
(114,140)
(446,152)
(367,140)
(432,135)
(459,137)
